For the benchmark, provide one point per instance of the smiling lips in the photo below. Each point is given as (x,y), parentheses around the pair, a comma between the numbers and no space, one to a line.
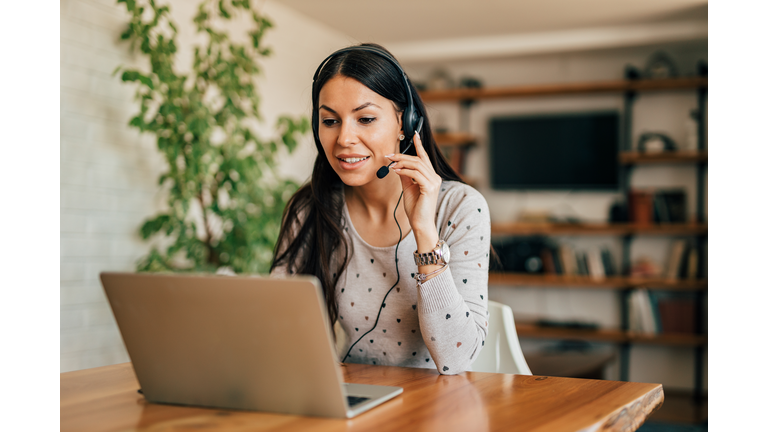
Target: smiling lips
(350,162)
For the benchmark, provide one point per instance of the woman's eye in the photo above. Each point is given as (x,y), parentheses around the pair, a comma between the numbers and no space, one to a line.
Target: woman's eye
(367,120)
(329,122)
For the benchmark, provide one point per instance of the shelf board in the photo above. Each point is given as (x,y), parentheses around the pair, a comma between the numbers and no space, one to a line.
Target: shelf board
(533,331)
(615,86)
(580,281)
(547,228)
(672,339)
(601,335)
(682,156)
(455,139)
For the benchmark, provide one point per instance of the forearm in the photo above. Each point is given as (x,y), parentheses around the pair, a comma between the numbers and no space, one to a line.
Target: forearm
(453,326)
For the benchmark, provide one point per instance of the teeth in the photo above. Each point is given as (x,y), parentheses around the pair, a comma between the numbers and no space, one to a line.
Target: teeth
(353,160)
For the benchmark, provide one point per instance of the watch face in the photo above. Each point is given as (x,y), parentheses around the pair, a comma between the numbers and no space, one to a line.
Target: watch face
(445,252)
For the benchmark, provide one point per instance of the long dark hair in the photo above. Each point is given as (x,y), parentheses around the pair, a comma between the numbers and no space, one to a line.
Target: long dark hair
(318,247)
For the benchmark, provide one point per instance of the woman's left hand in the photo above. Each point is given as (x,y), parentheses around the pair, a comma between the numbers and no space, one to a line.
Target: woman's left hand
(421,185)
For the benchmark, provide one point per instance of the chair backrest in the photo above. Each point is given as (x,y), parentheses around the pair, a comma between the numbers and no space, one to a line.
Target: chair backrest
(502,352)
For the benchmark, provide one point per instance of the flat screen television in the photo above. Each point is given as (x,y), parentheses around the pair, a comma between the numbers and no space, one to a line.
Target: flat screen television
(555,151)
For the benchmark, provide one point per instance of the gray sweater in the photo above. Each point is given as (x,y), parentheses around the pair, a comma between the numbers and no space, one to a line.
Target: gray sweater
(442,323)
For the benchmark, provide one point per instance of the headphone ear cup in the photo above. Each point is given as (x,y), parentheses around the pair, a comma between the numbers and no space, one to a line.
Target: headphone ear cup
(410,120)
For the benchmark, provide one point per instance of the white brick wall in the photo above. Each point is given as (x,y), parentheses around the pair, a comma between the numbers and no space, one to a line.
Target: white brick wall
(99,177)
(109,172)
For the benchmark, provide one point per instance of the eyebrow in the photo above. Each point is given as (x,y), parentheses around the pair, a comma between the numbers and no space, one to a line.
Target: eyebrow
(363,106)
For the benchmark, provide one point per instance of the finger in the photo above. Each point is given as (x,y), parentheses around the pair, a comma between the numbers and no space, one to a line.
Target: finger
(411,176)
(420,151)
(413,163)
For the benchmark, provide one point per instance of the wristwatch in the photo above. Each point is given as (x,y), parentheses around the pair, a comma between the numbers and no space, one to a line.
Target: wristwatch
(439,255)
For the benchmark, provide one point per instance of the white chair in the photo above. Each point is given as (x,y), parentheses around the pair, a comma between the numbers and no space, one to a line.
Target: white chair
(502,352)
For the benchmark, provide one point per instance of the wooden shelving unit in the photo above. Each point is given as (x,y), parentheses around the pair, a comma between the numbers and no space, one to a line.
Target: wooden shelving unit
(616,86)
(627,161)
(608,335)
(580,282)
(683,156)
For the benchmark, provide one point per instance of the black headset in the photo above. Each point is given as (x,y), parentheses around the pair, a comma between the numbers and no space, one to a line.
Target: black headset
(412,119)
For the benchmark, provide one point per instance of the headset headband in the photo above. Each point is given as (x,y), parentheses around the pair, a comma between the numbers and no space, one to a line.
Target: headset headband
(371,49)
(412,120)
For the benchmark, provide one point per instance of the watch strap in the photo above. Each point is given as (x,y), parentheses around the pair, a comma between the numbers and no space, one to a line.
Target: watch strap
(429,258)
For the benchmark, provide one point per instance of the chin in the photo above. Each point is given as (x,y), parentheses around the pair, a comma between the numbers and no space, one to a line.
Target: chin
(357,179)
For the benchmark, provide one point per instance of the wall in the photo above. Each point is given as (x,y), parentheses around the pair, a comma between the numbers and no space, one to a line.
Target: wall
(665,112)
(109,172)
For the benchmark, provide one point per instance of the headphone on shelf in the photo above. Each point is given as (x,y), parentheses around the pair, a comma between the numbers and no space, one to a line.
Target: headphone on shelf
(412,119)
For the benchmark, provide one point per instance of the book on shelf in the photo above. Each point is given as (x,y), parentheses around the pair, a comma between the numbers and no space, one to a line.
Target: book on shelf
(581,261)
(641,207)
(682,270)
(660,210)
(661,313)
(672,206)
(568,259)
(610,268)
(653,298)
(675,259)
(693,264)
(658,206)
(635,313)
(548,261)
(642,317)
(677,313)
(595,264)
(558,261)
(565,260)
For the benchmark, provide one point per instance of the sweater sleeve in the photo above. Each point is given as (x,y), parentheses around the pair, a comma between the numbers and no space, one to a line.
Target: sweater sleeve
(453,306)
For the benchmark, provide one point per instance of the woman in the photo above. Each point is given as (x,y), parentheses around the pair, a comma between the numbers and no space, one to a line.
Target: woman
(378,245)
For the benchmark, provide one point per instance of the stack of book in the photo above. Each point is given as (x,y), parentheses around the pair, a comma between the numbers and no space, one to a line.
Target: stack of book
(683,261)
(653,313)
(657,206)
(565,260)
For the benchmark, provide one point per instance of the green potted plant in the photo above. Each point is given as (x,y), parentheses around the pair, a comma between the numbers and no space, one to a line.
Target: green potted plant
(225,198)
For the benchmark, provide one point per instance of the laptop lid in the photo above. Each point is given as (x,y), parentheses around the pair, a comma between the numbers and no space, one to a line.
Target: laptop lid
(247,343)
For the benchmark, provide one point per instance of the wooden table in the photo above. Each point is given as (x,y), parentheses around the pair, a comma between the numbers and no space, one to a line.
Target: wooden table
(105,399)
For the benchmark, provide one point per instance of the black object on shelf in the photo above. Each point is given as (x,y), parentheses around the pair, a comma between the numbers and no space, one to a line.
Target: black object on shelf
(702,68)
(660,65)
(632,72)
(649,137)
(470,83)
(619,212)
(521,254)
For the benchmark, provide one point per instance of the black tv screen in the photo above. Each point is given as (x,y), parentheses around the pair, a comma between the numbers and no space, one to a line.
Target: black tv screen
(555,151)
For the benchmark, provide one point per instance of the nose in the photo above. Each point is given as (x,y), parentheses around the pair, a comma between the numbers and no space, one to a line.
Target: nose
(347,134)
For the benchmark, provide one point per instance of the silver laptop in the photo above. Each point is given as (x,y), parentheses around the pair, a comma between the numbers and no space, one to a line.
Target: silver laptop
(247,343)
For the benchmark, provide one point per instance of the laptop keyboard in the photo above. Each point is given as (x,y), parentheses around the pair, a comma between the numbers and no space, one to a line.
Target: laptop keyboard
(354,400)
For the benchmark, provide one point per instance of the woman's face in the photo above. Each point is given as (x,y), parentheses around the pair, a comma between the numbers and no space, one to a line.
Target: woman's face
(357,127)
